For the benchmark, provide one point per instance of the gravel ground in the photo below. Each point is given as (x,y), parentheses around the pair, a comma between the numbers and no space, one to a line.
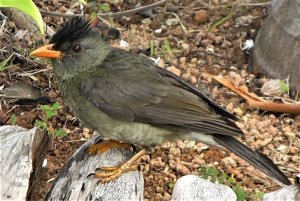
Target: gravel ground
(197,53)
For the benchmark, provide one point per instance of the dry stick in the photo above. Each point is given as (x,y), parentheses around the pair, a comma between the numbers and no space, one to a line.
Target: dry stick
(235,5)
(113,15)
(257,102)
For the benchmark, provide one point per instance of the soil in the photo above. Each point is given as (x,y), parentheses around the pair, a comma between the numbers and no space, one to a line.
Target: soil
(199,48)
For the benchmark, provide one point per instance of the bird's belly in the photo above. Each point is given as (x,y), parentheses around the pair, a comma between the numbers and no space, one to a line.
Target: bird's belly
(138,133)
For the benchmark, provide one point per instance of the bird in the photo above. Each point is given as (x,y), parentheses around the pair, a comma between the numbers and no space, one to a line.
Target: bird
(129,99)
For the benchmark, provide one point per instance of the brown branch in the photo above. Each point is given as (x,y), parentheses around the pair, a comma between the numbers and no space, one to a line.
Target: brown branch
(113,15)
(256,102)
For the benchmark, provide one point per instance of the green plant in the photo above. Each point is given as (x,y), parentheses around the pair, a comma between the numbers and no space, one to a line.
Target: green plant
(4,64)
(13,119)
(220,22)
(284,86)
(28,7)
(104,7)
(45,124)
(165,49)
(220,177)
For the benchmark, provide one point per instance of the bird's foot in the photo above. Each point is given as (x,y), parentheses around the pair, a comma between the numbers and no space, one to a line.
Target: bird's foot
(107,174)
(102,147)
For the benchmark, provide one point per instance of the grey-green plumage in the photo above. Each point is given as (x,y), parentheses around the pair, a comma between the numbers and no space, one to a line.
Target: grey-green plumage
(126,97)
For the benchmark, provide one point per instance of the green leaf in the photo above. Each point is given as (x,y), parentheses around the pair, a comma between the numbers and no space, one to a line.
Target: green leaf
(221,21)
(284,87)
(45,107)
(230,180)
(28,7)
(49,114)
(202,170)
(259,194)
(171,185)
(4,63)
(212,171)
(105,7)
(82,1)
(41,125)
(240,192)
(167,46)
(60,132)
(223,178)
(55,106)
(13,119)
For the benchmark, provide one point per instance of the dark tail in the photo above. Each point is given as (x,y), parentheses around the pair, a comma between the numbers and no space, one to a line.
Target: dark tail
(258,160)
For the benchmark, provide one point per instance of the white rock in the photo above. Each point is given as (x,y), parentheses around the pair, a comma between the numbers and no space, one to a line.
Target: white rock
(193,188)
(172,22)
(289,193)
(124,44)
(273,87)
(248,44)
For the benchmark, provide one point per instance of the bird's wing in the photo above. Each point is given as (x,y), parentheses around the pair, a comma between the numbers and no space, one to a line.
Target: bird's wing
(131,88)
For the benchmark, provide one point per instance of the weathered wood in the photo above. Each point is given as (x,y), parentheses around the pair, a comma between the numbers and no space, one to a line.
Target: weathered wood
(22,154)
(277,45)
(72,182)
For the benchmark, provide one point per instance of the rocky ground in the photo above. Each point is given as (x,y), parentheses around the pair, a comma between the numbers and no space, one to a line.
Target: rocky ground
(192,39)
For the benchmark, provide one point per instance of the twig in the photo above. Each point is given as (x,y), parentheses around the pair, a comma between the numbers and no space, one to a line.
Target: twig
(113,15)
(35,72)
(21,57)
(182,26)
(4,21)
(234,4)
(12,108)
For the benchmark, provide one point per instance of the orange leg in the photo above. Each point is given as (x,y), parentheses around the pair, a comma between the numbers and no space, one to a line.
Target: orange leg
(107,174)
(100,148)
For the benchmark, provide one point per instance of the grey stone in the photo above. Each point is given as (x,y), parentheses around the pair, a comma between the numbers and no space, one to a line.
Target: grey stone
(289,193)
(193,188)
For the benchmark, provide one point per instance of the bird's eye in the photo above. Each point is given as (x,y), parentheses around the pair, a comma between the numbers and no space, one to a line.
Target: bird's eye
(76,48)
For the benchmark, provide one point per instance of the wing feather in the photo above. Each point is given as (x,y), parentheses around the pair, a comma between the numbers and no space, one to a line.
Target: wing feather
(153,97)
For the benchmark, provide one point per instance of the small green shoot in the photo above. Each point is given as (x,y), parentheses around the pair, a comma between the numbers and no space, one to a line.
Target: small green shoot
(284,87)
(167,46)
(239,191)
(259,195)
(45,123)
(104,7)
(82,1)
(13,119)
(220,177)
(50,110)
(171,185)
(3,64)
(220,22)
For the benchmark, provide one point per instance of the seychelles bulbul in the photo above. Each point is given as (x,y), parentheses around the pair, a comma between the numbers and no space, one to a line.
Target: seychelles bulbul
(127,98)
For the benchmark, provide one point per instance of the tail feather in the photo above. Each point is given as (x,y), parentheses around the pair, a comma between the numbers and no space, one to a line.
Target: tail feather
(258,160)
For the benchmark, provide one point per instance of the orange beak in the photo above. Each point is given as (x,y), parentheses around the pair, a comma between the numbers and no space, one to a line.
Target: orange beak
(47,51)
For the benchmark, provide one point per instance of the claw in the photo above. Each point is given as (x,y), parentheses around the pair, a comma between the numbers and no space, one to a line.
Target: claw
(107,174)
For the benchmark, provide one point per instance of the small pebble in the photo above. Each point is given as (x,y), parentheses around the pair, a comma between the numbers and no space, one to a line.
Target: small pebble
(201,16)
(172,22)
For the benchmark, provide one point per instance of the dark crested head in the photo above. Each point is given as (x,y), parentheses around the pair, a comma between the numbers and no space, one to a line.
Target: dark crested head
(73,30)
(75,49)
